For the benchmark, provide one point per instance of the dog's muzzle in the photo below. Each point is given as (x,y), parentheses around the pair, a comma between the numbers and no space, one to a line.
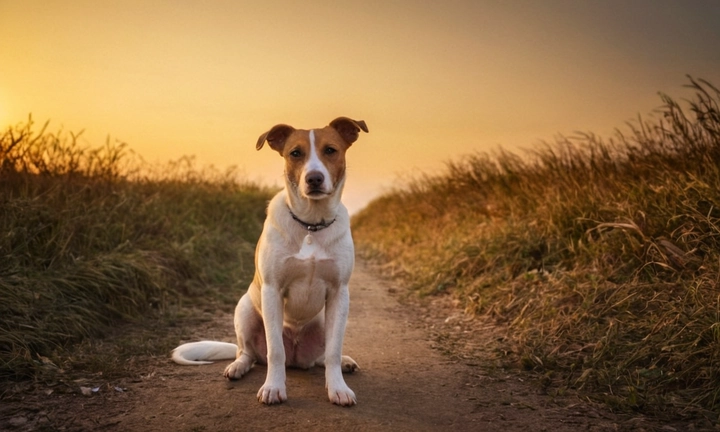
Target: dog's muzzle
(314,184)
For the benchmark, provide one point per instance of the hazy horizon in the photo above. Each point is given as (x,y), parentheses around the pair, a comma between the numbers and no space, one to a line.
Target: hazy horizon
(432,81)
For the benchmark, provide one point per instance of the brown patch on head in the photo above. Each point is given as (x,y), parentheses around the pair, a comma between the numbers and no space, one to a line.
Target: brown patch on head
(348,128)
(276,137)
(296,152)
(314,160)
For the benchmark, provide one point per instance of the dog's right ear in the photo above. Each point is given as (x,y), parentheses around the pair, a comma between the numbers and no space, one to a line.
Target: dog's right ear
(275,137)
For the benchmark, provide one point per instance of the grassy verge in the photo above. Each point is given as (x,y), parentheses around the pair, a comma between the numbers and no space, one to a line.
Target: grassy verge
(601,256)
(94,237)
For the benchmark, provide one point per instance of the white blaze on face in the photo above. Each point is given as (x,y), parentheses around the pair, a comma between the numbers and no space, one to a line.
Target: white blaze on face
(314,164)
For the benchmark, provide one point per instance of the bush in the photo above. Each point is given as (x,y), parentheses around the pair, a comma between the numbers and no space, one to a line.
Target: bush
(601,257)
(91,237)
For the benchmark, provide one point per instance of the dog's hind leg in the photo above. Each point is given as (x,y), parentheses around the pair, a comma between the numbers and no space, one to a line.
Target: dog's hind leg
(347,364)
(250,333)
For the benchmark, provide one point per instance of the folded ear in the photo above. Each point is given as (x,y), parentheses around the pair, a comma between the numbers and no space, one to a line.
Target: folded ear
(348,128)
(275,137)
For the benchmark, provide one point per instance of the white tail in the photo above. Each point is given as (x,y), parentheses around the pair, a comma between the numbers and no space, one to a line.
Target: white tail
(200,353)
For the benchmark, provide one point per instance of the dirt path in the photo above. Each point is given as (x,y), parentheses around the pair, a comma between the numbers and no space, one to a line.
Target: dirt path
(403,385)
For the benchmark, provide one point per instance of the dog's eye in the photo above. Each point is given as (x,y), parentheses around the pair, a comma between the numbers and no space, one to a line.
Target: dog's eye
(330,150)
(296,153)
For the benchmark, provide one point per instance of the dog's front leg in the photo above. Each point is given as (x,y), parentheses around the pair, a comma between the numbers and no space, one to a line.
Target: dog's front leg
(336,313)
(273,391)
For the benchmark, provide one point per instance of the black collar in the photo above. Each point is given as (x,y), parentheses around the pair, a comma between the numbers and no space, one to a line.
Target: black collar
(312,227)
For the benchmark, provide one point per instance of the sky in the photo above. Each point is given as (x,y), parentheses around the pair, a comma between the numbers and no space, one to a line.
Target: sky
(433,80)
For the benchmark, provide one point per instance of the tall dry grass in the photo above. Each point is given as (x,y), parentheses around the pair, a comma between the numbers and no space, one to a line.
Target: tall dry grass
(92,237)
(602,256)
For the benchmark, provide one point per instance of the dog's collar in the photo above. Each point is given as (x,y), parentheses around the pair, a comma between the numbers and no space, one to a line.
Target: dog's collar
(312,227)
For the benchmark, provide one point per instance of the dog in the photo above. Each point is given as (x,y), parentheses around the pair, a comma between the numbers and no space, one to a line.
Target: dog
(295,311)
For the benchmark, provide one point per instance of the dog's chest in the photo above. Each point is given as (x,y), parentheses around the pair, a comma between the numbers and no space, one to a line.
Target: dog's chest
(308,276)
(311,250)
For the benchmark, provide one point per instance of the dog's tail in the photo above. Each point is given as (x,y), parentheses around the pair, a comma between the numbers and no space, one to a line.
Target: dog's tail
(203,352)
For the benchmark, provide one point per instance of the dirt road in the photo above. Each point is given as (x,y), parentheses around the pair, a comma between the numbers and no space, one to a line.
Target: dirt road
(403,385)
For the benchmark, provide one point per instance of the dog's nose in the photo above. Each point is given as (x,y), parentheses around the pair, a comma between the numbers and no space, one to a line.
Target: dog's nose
(314,179)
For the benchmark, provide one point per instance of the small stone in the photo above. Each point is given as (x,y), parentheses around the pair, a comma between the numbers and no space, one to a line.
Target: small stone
(18,421)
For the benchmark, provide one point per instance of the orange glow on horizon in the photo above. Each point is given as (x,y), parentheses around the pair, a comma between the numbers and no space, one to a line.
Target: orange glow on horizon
(432,81)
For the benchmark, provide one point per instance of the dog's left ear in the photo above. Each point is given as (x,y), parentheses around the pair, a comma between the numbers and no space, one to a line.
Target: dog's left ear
(348,128)
(276,137)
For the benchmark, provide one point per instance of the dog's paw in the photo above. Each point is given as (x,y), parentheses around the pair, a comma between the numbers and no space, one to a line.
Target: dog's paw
(348,365)
(272,394)
(237,369)
(341,395)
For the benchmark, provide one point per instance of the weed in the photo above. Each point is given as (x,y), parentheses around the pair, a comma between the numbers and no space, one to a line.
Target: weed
(601,256)
(93,237)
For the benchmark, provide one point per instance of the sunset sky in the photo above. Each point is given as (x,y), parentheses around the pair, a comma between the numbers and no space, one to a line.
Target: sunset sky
(433,80)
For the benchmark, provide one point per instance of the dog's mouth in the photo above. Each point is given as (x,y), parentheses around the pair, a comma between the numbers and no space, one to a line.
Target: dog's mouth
(310,192)
(316,193)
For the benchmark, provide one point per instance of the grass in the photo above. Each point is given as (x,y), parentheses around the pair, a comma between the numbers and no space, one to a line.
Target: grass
(91,238)
(600,256)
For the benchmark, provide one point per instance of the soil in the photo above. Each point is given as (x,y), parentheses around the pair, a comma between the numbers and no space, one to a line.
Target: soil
(423,367)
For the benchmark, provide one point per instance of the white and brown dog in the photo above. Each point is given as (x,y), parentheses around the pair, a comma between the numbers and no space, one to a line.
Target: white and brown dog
(295,310)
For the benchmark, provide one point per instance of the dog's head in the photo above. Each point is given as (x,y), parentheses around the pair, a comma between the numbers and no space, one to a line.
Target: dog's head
(314,159)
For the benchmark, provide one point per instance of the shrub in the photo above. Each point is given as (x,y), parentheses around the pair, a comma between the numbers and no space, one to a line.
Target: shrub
(92,237)
(602,257)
